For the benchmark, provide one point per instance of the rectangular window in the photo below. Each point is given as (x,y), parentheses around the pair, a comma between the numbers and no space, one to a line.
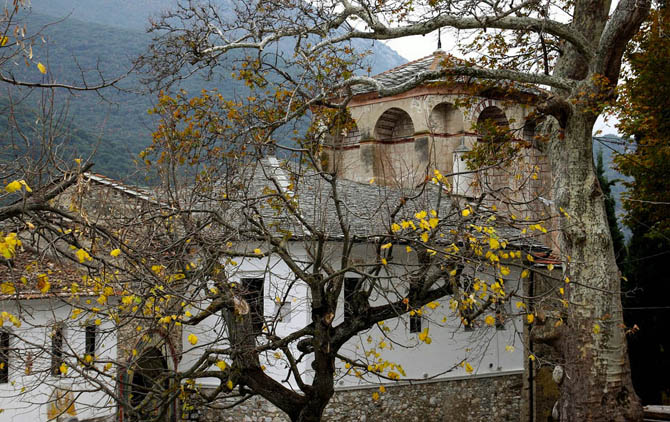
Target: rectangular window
(254,296)
(91,331)
(350,284)
(500,316)
(4,357)
(57,340)
(415,323)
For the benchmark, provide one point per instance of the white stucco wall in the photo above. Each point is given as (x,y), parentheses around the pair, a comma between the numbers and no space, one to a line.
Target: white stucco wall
(484,348)
(24,398)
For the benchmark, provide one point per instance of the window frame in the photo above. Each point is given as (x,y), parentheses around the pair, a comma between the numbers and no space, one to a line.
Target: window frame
(5,349)
(349,290)
(415,323)
(255,297)
(90,342)
(57,348)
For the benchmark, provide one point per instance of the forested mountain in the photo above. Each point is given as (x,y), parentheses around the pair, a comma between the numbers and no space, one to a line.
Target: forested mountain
(102,37)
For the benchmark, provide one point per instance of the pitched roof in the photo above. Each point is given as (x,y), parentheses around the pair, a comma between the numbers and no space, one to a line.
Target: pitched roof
(405,72)
(27,271)
(367,209)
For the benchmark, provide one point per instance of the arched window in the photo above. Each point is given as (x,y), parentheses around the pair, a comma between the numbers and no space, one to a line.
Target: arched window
(394,124)
(492,125)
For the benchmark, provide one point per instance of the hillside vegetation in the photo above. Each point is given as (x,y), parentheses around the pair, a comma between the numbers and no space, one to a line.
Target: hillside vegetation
(93,38)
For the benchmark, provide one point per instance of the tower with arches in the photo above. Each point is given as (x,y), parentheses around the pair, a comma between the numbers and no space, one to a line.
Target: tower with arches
(402,139)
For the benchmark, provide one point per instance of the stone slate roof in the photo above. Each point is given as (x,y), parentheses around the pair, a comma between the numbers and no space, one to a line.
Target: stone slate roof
(403,73)
(367,208)
(26,267)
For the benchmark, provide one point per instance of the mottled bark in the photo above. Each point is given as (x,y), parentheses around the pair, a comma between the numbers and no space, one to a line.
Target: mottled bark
(597,385)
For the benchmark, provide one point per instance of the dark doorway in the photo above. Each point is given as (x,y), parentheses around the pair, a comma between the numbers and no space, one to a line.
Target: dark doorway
(149,376)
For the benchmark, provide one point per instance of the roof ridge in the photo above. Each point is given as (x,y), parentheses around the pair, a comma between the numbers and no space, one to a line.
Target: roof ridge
(409,63)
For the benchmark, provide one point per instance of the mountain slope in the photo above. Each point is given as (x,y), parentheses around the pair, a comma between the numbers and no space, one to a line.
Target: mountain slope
(108,42)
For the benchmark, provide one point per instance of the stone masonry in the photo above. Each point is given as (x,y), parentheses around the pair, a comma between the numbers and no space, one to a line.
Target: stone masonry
(494,398)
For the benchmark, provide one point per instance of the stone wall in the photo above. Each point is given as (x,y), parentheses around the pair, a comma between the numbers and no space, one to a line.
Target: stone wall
(494,398)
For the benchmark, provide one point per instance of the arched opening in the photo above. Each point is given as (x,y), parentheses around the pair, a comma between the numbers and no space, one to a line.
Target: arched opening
(445,119)
(531,130)
(394,124)
(492,125)
(149,376)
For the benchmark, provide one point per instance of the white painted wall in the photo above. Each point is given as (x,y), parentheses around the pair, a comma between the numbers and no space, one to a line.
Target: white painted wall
(24,397)
(485,348)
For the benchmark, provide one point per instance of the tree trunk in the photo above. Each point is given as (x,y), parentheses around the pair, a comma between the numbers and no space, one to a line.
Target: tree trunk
(597,384)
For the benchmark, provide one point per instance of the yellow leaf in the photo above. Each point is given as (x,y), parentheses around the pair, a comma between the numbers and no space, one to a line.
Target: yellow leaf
(509,348)
(222,365)
(229,384)
(41,68)
(258,251)
(387,245)
(530,318)
(7,288)
(375,396)
(490,320)
(550,267)
(424,237)
(567,279)
(395,227)
(493,243)
(115,252)
(63,368)
(433,305)
(420,215)
(468,368)
(531,357)
(384,261)
(382,389)
(3,41)
(525,274)
(43,283)
(82,255)
(193,339)
(465,212)
(13,186)
(596,328)
(504,270)
(423,336)
(408,249)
